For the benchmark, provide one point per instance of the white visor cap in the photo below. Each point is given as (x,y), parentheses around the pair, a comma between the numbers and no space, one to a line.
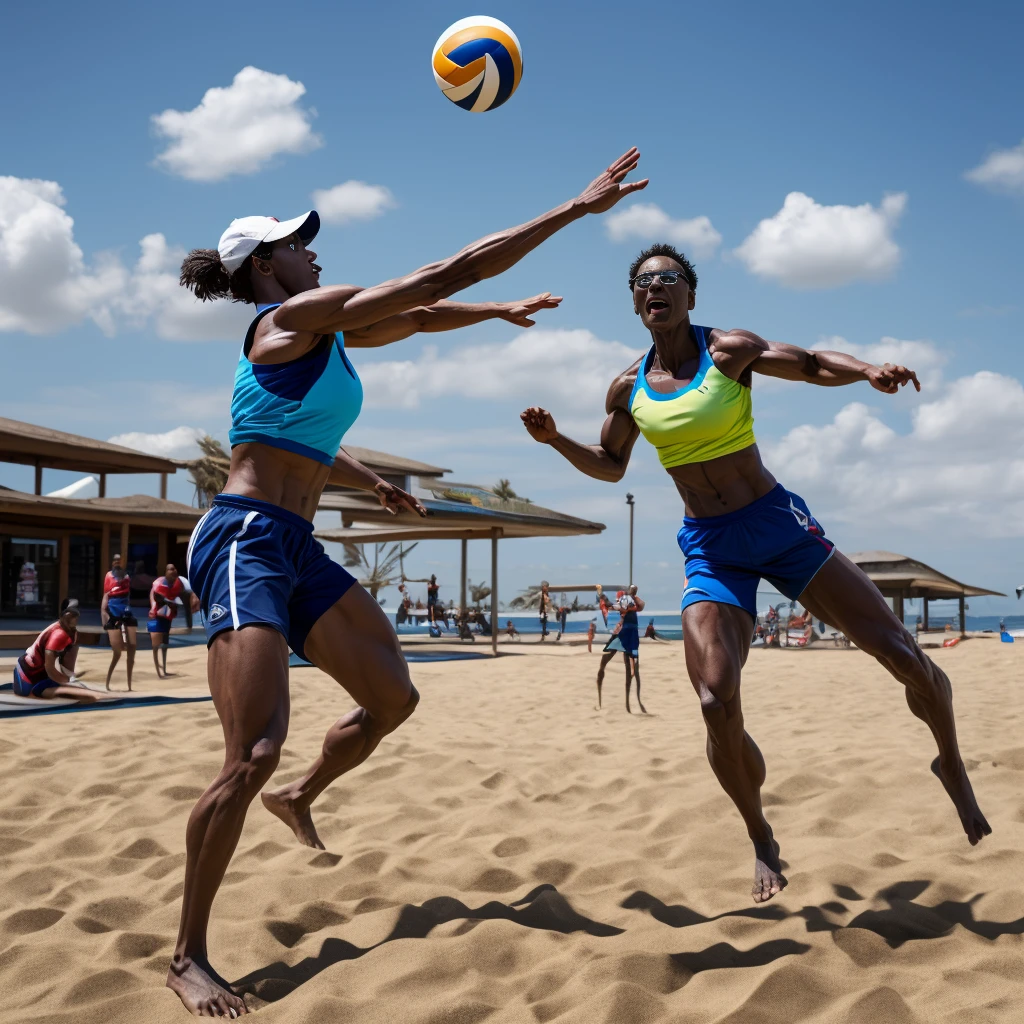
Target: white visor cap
(245,234)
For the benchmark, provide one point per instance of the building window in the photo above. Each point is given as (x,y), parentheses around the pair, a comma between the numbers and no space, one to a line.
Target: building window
(29,577)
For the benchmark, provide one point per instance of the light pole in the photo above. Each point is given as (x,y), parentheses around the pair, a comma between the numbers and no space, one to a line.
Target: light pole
(629,502)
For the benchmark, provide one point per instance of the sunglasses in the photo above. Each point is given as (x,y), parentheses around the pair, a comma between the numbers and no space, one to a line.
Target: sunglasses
(665,276)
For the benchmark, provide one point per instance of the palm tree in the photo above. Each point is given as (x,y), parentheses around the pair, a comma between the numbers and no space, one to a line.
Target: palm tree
(503,490)
(529,598)
(381,573)
(209,474)
(478,592)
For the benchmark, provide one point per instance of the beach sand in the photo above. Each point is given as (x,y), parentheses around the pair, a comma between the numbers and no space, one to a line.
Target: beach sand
(513,855)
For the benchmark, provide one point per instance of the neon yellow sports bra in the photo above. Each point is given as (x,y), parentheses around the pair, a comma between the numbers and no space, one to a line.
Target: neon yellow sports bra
(706,419)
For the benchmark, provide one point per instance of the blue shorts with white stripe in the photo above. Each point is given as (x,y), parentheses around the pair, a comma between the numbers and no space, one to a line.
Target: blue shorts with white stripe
(253,563)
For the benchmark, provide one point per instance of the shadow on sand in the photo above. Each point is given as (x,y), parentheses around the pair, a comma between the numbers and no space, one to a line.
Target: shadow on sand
(902,921)
(544,907)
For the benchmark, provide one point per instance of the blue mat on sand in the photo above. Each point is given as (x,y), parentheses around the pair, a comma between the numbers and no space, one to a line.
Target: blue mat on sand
(63,709)
(296,662)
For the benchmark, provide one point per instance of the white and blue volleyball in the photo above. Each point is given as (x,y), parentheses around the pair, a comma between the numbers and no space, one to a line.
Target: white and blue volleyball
(478,63)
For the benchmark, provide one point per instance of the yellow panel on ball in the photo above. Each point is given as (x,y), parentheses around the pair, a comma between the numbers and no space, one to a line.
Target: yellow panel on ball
(478,63)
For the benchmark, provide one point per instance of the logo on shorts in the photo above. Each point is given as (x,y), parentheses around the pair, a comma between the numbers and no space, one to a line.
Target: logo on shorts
(216,612)
(806,521)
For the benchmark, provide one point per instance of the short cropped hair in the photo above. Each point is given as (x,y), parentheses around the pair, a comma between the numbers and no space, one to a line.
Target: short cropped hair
(664,249)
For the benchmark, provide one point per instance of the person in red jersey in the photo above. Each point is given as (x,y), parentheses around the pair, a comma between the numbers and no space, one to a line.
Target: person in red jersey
(164,597)
(118,620)
(47,668)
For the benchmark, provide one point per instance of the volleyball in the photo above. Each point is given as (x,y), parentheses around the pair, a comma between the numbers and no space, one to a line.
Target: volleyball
(478,63)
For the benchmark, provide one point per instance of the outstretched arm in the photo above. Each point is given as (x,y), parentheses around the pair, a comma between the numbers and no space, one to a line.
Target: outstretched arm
(344,308)
(742,349)
(447,316)
(347,472)
(606,460)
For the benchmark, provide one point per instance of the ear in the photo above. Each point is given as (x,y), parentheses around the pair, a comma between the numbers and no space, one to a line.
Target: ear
(693,299)
(264,268)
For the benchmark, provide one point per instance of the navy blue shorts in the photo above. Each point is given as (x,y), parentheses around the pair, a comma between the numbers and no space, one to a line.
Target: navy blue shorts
(774,538)
(23,687)
(161,624)
(627,640)
(253,563)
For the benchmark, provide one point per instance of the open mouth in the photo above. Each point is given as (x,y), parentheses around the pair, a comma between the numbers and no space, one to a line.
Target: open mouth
(655,305)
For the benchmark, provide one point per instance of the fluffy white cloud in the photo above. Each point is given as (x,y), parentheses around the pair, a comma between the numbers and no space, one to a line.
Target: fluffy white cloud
(352,200)
(45,284)
(921,356)
(179,443)
(1003,170)
(152,294)
(961,462)
(807,245)
(237,129)
(650,222)
(571,369)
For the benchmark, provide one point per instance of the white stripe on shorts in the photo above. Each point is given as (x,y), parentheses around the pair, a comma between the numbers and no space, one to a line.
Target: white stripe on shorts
(192,542)
(249,517)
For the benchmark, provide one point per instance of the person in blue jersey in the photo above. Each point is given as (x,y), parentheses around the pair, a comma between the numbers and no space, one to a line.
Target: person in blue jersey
(690,396)
(264,582)
(625,640)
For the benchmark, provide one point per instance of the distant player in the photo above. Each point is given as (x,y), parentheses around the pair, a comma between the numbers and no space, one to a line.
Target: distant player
(118,620)
(165,596)
(47,668)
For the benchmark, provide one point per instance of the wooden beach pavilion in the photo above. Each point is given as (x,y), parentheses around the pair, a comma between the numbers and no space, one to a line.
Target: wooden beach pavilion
(67,542)
(461,512)
(902,577)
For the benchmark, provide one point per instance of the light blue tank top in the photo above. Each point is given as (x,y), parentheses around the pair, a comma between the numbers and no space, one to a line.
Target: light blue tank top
(303,406)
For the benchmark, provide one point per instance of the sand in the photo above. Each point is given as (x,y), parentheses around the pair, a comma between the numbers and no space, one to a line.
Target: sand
(512,855)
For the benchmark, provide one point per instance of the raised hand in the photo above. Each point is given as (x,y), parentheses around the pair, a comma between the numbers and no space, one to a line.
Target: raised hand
(519,313)
(540,424)
(890,378)
(395,500)
(608,188)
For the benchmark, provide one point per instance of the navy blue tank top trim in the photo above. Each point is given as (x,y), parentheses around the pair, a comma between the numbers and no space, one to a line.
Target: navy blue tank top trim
(303,406)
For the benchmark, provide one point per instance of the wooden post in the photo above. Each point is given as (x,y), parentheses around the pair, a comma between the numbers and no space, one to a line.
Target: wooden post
(161,552)
(163,486)
(462,576)
(103,489)
(104,550)
(963,616)
(924,615)
(495,534)
(124,548)
(64,556)
(39,479)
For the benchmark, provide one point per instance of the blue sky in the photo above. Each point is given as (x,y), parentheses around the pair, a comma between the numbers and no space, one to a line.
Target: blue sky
(734,106)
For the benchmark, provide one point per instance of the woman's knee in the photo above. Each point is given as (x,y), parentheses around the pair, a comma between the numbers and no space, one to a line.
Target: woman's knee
(252,769)
(389,719)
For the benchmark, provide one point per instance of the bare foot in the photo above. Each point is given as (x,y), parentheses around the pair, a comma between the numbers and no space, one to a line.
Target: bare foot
(301,823)
(769,880)
(643,710)
(203,991)
(958,786)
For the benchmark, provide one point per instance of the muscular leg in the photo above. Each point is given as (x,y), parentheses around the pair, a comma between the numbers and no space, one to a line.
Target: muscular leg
(717,644)
(248,675)
(605,658)
(154,640)
(843,596)
(132,635)
(354,643)
(165,641)
(116,645)
(629,680)
(636,675)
